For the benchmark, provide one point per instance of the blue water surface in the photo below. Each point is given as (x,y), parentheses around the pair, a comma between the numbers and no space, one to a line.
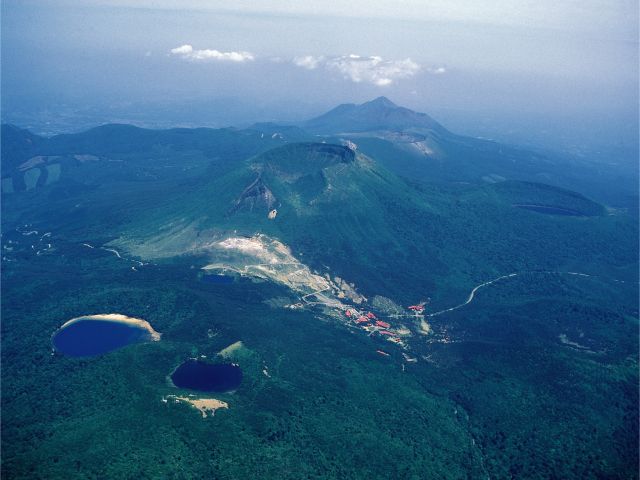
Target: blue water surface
(206,377)
(86,338)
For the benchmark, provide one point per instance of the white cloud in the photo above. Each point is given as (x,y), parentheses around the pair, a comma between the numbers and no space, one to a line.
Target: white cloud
(183,50)
(372,69)
(187,52)
(437,70)
(362,69)
(308,61)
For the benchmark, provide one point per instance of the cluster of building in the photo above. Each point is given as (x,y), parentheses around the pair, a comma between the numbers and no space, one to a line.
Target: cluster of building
(371,324)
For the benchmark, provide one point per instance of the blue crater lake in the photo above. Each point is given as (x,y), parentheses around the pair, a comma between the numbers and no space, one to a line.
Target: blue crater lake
(206,377)
(90,336)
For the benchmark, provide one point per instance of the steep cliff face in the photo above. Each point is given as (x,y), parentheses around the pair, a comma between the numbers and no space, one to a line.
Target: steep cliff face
(257,196)
(294,161)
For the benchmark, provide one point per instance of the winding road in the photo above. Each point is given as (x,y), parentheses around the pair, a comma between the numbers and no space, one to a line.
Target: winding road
(511,275)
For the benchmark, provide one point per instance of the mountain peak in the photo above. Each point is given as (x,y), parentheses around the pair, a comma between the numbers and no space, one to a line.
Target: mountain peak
(381,102)
(377,114)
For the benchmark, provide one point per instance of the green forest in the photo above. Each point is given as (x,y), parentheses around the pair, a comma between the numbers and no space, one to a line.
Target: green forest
(535,378)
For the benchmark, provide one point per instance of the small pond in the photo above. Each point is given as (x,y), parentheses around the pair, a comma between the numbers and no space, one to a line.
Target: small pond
(207,377)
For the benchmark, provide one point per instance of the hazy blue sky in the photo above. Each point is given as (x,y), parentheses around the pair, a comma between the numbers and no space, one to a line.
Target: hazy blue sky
(560,67)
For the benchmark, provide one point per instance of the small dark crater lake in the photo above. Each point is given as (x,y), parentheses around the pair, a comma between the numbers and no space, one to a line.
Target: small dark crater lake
(551,210)
(86,338)
(207,377)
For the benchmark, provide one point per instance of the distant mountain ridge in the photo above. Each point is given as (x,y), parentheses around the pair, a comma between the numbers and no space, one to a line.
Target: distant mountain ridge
(378,114)
(409,143)
(17,146)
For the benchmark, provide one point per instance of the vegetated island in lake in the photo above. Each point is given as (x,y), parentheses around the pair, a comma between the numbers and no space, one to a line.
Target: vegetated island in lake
(206,377)
(92,335)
